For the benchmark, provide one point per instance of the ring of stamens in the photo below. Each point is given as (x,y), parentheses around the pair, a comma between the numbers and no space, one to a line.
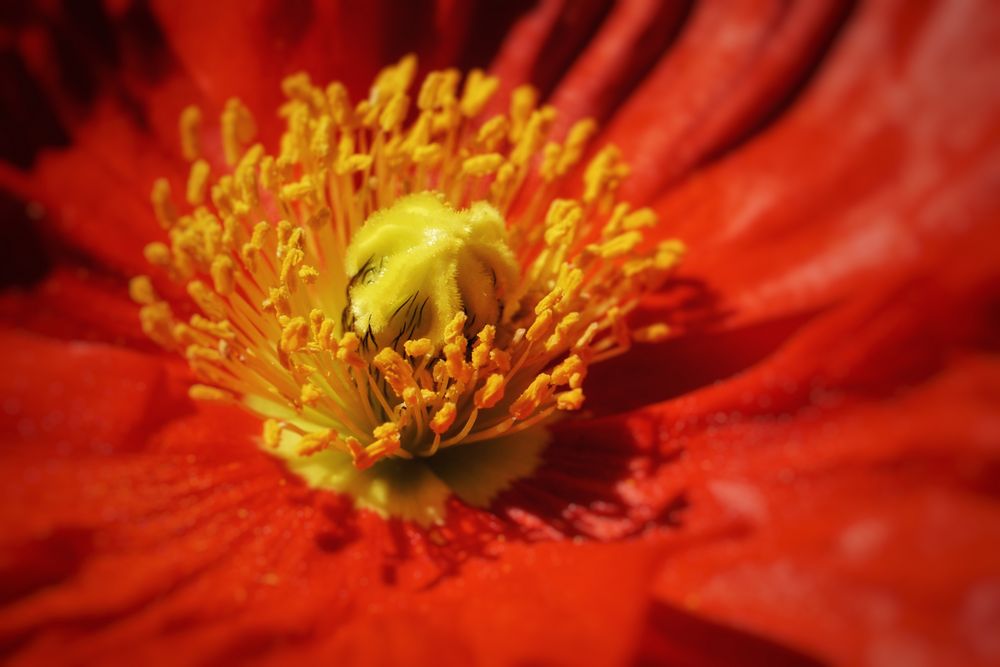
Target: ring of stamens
(261,252)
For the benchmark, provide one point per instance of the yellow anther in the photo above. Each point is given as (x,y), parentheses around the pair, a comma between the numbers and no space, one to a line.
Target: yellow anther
(570,400)
(537,393)
(562,333)
(238,130)
(347,162)
(492,132)
(615,221)
(185,335)
(396,371)
(260,231)
(481,350)
(298,190)
(420,134)
(270,175)
(532,137)
(273,430)
(358,453)
(479,88)
(198,182)
(140,290)
(561,222)
(222,199)
(458,369)
(500,190)
(291,261)
(550,300)
(278,300)
(419,347)
(440,372)
(310,394)
(550,161)
(412,397)
(339,103)
(163,208)
(604,174)
(427,155)
(522,104)
(202,392)
(542,326)
(386,442)
(189,126)
(570,284)
(316,442)
(347,351)
(500,360)
(229,231)
(620,245)
(431,91)
(246,174)
(668,253)
(641,219)
(223,277)
(571,371)
(320,144)
(444,418)
(490,393)
(294,335)
(157,254)
(299,87)
(157,323)
(367,111)
(308,274)
(454,331)
(576,143)
(316,319)
(395,78)
(482,165)
(653,333)
(326,337)
(394,112)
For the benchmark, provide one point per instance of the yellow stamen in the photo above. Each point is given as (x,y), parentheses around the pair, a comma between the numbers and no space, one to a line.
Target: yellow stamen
(385,285)
(190,127)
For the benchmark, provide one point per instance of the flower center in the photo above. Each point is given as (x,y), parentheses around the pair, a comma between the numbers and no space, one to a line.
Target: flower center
(406,304)
(415,265)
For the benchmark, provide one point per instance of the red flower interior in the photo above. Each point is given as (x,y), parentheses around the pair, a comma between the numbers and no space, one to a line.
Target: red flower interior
(809,471)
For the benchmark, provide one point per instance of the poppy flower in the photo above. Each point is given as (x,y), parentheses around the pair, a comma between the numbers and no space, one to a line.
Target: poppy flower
(792,459)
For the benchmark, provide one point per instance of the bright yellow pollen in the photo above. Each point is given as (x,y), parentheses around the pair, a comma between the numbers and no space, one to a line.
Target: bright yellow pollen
(396,281)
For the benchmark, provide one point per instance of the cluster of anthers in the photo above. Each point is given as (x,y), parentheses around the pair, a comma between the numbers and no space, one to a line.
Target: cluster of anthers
(399,280)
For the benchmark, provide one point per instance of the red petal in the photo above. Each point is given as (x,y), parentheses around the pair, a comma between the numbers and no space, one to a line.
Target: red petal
(268,40)
(860,533)
(77,304)
(629,41)
(841,494)
(732,66)
(77,396)
(864,179)
(199,530)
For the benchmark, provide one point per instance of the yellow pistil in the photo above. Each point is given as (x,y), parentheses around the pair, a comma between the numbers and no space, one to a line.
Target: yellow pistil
(397,282)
